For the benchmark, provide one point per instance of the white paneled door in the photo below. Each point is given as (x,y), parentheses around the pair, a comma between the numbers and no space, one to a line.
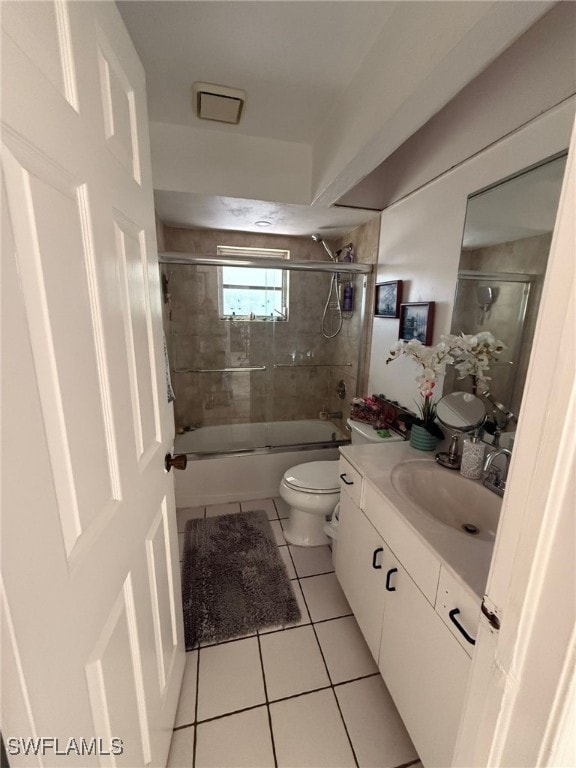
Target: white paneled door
(92,648)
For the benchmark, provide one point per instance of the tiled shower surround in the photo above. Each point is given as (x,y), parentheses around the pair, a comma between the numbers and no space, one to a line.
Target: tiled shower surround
(302,368)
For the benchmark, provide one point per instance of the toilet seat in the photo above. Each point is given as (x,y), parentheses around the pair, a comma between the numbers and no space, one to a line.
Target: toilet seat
(313,477)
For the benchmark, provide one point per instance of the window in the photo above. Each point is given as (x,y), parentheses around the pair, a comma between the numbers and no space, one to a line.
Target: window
(251,293)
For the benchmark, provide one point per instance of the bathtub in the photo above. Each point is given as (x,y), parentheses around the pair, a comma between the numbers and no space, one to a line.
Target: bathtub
(246,461)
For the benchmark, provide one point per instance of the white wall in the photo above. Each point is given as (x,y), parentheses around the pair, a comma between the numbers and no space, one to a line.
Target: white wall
(425,54)
(534,75)
(420,238)
(186,159)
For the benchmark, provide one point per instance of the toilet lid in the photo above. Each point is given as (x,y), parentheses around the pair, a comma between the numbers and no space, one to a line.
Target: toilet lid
(314,476)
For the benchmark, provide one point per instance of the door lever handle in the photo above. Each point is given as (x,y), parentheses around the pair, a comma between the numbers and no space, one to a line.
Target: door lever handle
(178,462)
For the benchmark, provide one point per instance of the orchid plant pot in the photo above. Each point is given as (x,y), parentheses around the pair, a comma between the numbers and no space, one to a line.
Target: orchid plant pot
(421,439)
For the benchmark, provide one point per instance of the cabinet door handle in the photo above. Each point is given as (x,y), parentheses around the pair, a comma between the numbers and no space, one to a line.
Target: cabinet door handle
(452,616)
(375,557)
(343,478)
(388,577)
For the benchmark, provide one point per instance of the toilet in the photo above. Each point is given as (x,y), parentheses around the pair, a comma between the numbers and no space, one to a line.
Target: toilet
(312,491)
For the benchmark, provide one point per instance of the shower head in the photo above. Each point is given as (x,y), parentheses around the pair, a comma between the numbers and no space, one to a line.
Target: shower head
(485,295)
(318,239)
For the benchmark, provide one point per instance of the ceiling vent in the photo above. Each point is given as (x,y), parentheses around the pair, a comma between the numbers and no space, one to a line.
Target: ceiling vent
(217,102)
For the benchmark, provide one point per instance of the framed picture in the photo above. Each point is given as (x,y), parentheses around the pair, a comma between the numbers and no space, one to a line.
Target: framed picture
(388,298)
(416,322)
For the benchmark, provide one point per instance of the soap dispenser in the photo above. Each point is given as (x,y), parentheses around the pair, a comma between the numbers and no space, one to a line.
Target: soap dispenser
(472,462)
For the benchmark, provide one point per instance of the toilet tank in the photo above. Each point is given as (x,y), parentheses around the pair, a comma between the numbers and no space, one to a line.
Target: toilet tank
(364,433)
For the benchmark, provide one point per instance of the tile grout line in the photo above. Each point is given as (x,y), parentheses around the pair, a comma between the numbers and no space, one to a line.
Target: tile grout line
(196,721)
(335,697)
(313,575)
(294,626)
(277,701)
(327,670)
(331,686)
(219,717)
(195,740)
(264,632)
(267,703)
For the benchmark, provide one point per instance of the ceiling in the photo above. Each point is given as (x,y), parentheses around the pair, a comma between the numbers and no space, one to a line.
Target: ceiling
(293,59)
(179,209)
(327,81)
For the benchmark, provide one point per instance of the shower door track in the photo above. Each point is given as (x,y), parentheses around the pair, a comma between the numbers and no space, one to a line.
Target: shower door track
(241,368)
(504,277)
(191,259)
(264,449)
(312,365)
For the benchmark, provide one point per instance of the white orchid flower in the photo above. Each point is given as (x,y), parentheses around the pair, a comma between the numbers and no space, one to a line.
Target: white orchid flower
(471,355)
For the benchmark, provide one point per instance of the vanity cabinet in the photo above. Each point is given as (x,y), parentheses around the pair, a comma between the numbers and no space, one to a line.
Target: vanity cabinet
(351,482)
(402,597)
(357,558)
(425,670)
(360,559)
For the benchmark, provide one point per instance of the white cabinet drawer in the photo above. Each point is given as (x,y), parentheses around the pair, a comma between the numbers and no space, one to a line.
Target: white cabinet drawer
(422,565)
(425,670)
(358,562)
(350,481)
(459,610)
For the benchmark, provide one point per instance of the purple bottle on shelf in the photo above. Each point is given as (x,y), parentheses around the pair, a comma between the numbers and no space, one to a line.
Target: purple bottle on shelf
(348,298)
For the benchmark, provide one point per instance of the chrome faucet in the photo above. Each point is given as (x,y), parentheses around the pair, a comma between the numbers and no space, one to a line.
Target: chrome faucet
(496,479)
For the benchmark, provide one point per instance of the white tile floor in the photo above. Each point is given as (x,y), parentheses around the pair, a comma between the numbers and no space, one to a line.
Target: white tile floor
(308,696)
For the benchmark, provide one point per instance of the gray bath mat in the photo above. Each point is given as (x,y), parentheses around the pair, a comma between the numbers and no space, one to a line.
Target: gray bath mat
(233,579)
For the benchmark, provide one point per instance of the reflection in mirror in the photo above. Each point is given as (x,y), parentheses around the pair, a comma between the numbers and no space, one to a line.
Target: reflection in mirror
(507,236)
(462,411)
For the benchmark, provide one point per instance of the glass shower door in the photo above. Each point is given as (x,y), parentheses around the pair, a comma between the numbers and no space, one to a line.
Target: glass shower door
(487,303)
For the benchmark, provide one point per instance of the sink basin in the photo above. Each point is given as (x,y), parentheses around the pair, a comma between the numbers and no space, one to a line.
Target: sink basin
(465,505)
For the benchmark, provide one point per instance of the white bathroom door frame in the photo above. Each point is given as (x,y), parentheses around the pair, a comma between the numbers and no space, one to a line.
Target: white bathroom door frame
(91,618)
(521,698)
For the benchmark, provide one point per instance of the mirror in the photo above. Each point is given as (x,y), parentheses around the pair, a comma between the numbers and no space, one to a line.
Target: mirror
(505,246)
(461,411)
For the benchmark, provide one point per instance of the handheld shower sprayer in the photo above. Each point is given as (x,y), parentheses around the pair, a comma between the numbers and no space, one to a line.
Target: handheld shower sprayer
(318,239)
(337,306)
(486,297)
